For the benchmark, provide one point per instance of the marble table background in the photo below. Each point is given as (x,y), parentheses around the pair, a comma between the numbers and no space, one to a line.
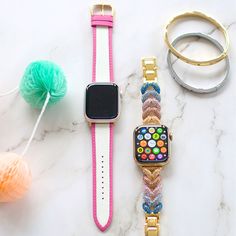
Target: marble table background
(200,181)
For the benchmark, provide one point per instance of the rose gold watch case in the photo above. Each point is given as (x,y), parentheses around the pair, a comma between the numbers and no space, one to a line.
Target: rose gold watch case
(104,121)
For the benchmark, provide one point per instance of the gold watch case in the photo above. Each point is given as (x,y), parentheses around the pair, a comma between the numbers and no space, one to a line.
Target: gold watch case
(151,163)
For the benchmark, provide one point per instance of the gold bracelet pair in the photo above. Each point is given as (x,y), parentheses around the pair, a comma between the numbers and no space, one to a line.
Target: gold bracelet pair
(210,20)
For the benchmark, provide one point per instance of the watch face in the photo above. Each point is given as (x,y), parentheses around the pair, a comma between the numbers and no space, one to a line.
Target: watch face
(102,101)
(151,144)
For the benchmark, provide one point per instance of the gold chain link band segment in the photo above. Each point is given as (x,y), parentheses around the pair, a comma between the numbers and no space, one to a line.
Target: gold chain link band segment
(218,25)
(149,65)
(152,226)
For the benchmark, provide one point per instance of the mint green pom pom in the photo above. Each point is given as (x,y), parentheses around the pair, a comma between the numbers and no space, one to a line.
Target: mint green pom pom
(40,78)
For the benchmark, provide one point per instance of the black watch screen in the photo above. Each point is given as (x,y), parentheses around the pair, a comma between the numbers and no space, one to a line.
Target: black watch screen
(102,101)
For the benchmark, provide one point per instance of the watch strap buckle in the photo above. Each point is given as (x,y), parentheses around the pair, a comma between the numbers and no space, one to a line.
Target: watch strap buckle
(102,9)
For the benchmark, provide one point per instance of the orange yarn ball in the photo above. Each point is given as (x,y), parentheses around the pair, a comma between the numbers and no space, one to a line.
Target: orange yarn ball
(15,177)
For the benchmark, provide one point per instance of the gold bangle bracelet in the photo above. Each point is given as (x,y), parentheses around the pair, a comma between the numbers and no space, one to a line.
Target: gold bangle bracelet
(219,26)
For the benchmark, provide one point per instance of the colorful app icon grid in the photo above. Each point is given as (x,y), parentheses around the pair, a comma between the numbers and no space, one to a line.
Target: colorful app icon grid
(151,144)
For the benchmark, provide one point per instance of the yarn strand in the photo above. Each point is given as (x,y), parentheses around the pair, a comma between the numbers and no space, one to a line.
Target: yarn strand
(36,124)
(39,78)
(9,92)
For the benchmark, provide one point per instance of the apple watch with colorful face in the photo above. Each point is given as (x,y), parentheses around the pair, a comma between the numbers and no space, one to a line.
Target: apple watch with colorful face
(151,146)
(102,108)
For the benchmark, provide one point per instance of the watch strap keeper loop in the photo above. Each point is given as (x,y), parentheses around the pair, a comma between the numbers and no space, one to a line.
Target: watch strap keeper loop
(100,20)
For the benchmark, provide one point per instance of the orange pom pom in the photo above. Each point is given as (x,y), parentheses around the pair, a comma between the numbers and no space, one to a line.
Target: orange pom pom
(15,177)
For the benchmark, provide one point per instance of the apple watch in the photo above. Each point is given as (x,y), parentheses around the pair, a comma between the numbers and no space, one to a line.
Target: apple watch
(102,108)
(151,147)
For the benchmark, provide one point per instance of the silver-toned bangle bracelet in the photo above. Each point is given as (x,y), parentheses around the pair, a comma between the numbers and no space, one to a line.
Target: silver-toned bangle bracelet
(180,80)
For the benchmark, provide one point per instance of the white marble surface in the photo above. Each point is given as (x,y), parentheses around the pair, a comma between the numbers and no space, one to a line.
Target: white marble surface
(199,183)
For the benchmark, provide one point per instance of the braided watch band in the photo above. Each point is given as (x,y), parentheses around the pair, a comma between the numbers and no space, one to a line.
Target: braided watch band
(151,175)
(152,193)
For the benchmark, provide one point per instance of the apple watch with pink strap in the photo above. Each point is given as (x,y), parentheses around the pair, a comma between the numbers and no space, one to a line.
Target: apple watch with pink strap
(102,108)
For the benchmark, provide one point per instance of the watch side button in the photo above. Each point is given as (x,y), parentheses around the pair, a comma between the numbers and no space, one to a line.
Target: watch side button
(121,94)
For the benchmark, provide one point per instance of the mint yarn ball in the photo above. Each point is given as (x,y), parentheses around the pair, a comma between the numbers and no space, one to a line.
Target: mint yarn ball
(40,78)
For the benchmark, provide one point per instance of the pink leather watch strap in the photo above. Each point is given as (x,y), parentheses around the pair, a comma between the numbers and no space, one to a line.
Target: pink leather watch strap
(102,147)
(102,21)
